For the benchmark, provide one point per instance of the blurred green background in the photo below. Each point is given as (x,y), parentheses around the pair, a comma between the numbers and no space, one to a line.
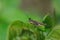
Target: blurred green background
(9,12)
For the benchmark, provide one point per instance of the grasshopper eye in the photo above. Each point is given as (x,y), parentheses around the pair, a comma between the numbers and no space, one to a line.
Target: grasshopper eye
(29,18)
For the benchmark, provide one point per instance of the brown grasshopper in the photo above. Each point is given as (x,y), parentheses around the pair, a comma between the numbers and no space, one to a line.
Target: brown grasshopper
(35,22)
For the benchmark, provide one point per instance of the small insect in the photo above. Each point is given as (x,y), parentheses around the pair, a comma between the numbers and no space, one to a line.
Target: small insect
(35,22)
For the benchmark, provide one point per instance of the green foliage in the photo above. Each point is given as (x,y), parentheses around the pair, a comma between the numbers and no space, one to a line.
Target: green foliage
(50,23)
(54,34)
(21,31)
